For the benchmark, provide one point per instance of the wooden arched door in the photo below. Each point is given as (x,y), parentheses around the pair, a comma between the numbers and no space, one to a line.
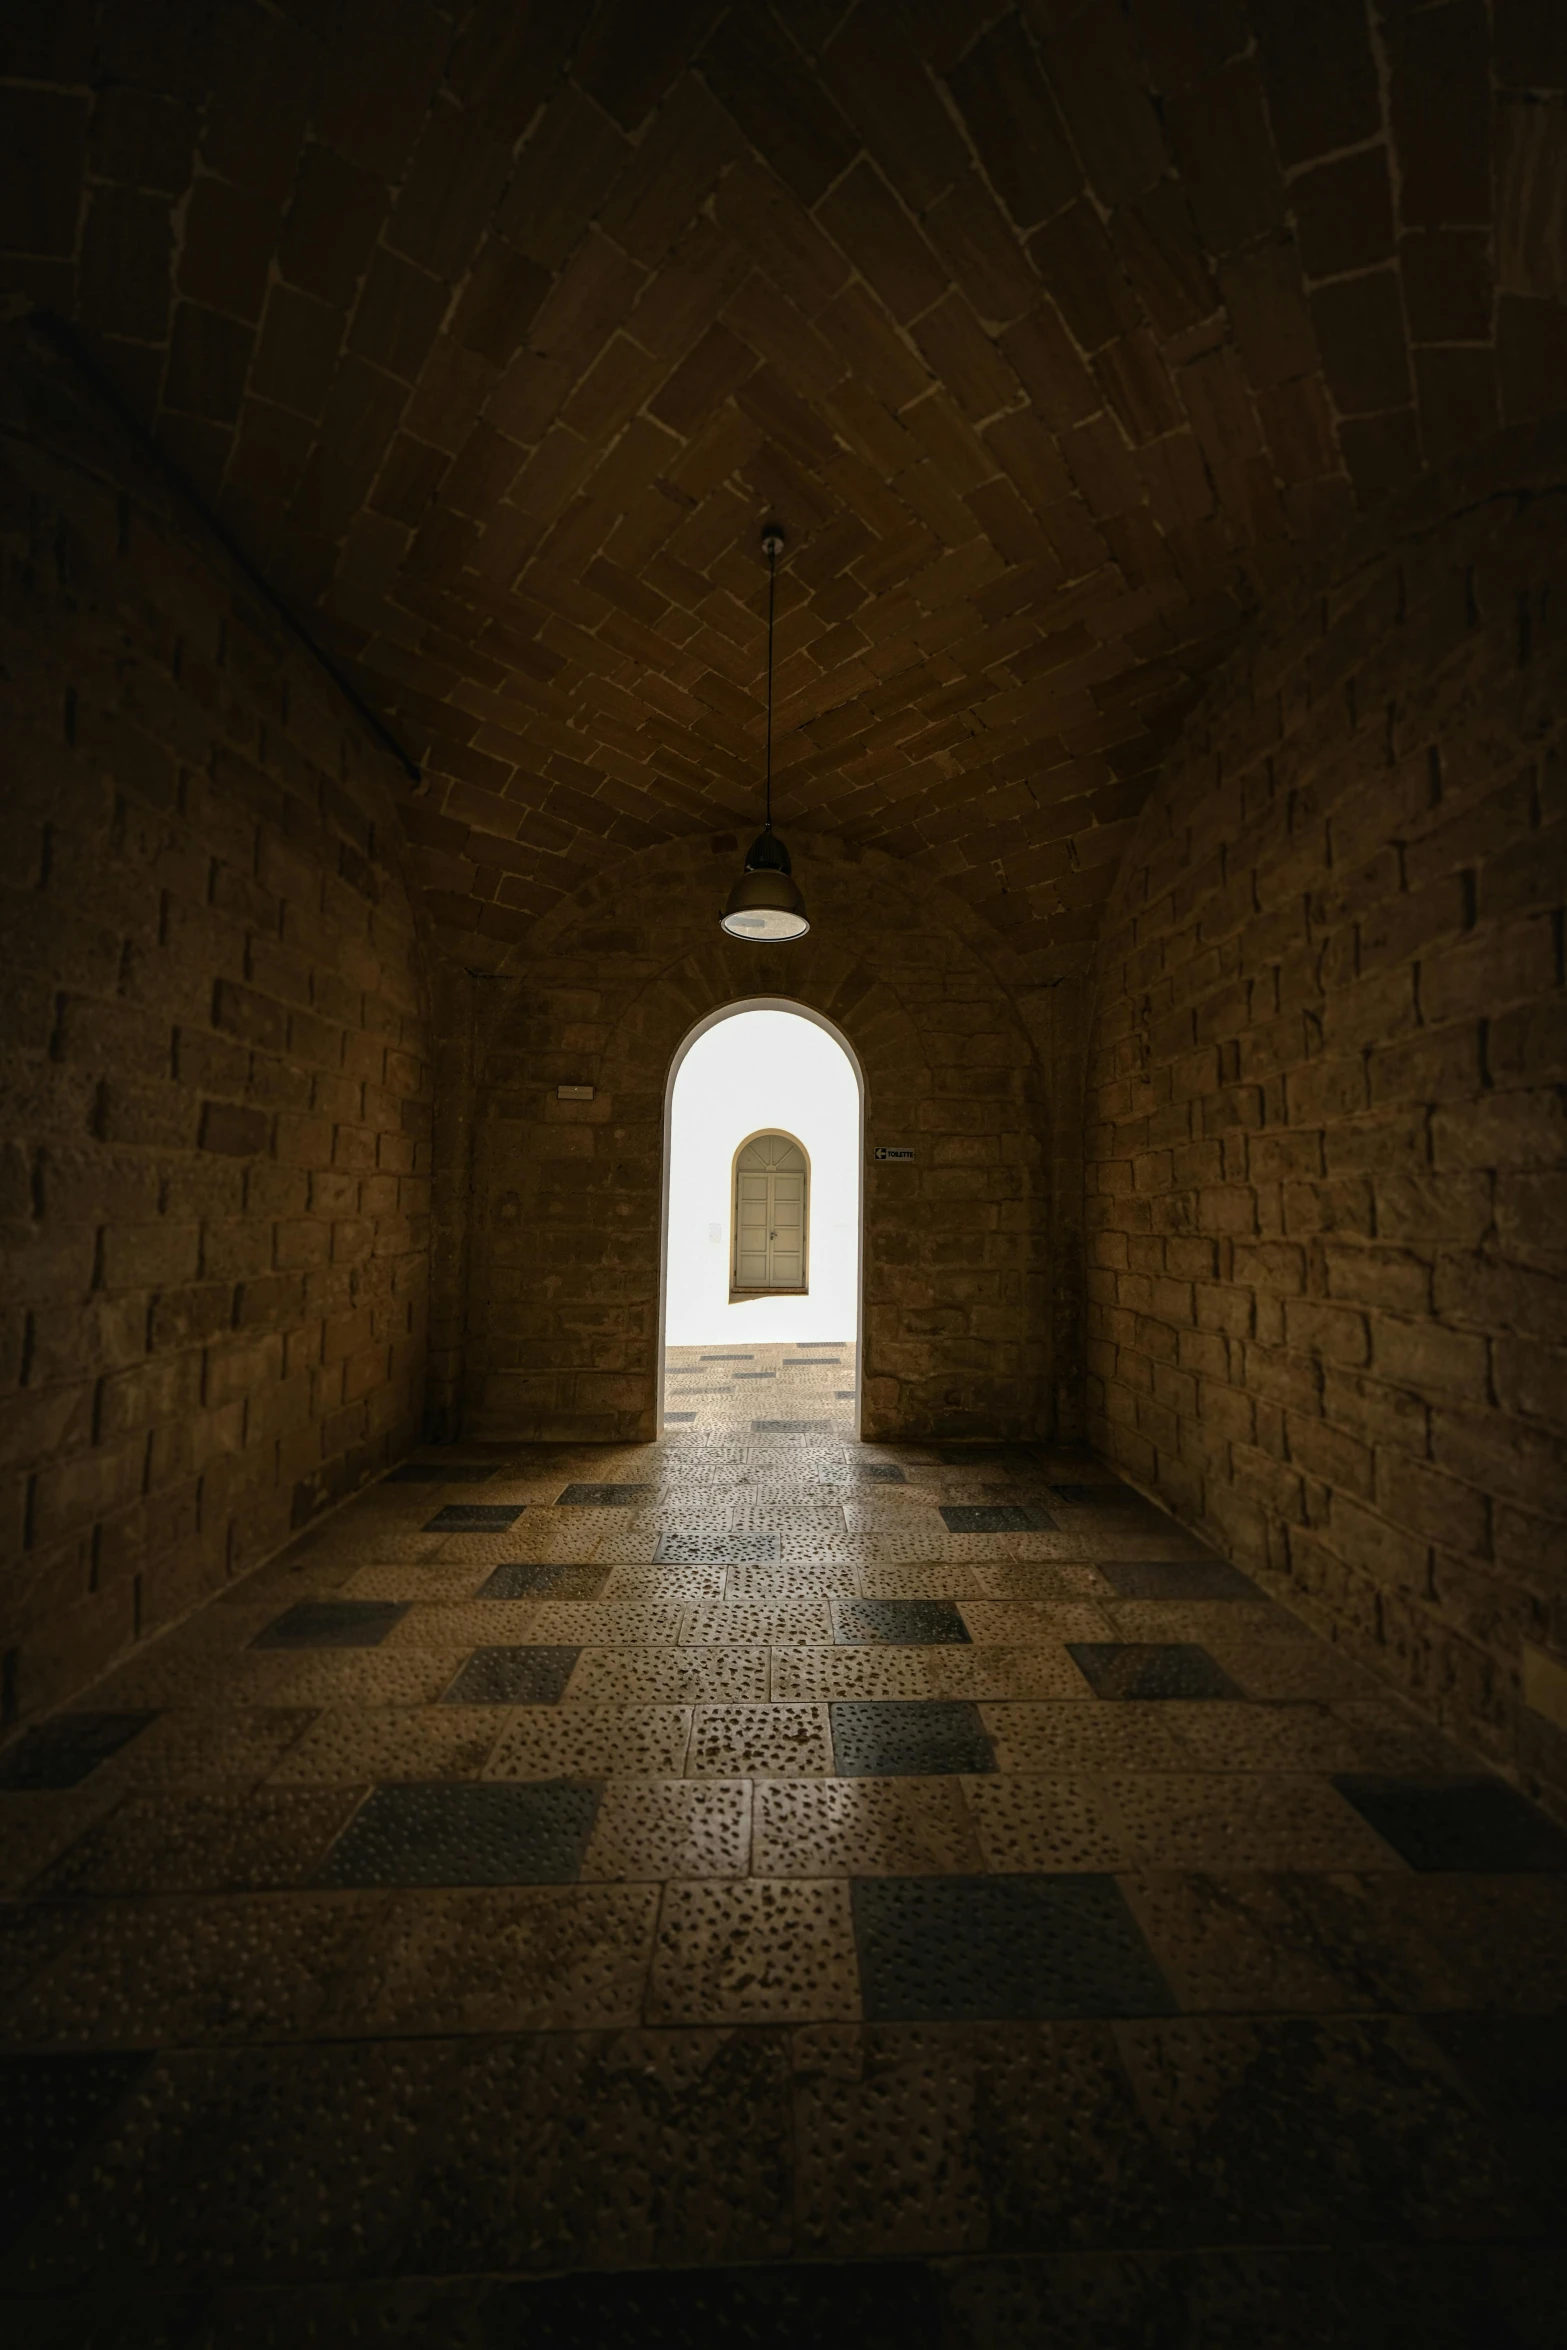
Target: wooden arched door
(771,1214)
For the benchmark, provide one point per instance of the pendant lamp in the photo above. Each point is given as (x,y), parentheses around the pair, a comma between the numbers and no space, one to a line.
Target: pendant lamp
(765,904)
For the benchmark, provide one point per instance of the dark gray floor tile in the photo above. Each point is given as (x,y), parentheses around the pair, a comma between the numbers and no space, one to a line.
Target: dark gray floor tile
(790,1427)
(879,2305)
(880,1473)
(513,1676)
(677,1419)
(816,1363)
(727,1358)
(61,1752)
(917,1622)
(996,1517)
(441,1473)
(745,1375)
(717,1550)
(525,1578)
(442,1834)
(843,1395)
(620,2149)
(907,1738)
(474,1517)
(1177,1579)
(333,1623)
(1100,1497)
(1150,1669)
(602,1497)
(966,1949)
(1474,1824)
(54,2106)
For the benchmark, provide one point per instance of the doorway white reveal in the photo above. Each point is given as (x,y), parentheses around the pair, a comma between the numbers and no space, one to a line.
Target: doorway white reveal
(773,1073)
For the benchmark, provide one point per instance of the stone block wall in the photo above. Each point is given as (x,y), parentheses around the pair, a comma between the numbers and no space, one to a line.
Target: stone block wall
(1327,1205)
(214,1057)
(563,1301)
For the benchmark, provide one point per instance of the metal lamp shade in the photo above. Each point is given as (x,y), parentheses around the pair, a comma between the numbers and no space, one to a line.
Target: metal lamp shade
(765,906)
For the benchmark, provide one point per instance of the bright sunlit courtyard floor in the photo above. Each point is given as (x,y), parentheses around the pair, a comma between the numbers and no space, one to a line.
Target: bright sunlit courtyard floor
(762,1887)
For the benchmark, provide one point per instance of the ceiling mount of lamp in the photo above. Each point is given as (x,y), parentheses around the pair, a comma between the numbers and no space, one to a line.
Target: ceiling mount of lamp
(765,904)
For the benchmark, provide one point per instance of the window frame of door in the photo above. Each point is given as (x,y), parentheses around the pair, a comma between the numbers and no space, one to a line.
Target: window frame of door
(699,1028)
(771,1288)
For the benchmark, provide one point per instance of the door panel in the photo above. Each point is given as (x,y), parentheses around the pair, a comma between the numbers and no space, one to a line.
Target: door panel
(770,1214)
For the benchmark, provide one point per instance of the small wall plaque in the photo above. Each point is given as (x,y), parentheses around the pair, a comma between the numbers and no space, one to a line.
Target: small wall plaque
(889,1150)
(574,1093)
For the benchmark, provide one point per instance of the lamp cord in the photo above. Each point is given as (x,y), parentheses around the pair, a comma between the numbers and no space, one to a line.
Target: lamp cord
(772,589)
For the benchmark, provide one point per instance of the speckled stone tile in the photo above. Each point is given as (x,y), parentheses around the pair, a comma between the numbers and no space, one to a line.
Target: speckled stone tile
(922,1579)
(472,1623)
(353,1745)
(1016,1623)
(381,1676)
(1084,1737)
(923,1672)
(1237,1942)
(1293,2125)
(440,1473)
(1037,1825)
(453,1582)
(1203,1620)
(682,1586)
(188,1843)
(1390,1737)
(819,1673)
(752,1623)
(1504,1934)
(862,1827)
(760,1741)
(760,1950)
(659,1828)
(890,1739)
(482,1834)
(1469,1823)
(900,2153)
(33,1935)
(513,1676)
(1291,1669)
(1226,1819)
(671,1676)
(35,1828)
(1046,1579)
(1222,1736)
(790,1580)
(57,2104)
(605,1623)
(592,1740)
(538,1958)
(148,1973)
(960,1949)
(206,1746)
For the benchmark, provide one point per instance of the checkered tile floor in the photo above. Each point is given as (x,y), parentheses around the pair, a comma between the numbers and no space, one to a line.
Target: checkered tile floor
(759,1848)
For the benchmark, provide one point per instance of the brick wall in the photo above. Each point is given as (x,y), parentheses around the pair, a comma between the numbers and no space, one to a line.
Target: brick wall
(216,1133)
(563,1304)
(1326,1200)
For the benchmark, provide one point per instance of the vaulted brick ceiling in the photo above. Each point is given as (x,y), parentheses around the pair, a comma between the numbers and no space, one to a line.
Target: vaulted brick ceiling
(1055,336)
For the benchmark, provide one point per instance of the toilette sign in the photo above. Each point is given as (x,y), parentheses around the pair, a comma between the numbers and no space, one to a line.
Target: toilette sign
(893,1150)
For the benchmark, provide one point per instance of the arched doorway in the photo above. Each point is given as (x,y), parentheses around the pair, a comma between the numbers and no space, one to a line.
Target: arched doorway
(759,1296)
